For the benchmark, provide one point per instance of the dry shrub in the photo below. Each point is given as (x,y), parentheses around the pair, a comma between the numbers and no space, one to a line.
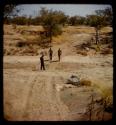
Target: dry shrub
(106,40)
(27,50)
(11,51)
(8,53)
(78,29)
(14,26)
(91,52)
(59,39)
(107,51)
(7,117)
(84,53)
(32,38)
(106,29)
(95,47)
(26,43)
(20,44)
(110,46)
(106,94)
(85,82)
(109,104)
(84,45)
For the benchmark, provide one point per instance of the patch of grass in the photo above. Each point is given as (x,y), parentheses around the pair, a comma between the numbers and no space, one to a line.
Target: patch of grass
(78,29)
(95,47)
(31,37)
(20,44)
(21,28)
(85,82)
(82,52)
(24,50)
(110,45)
(106,29)
(107,99)
(106,94)
(7,117)
(26,43)
(107,51)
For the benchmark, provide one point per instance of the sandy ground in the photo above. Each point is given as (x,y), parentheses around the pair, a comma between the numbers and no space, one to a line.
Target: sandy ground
(31,94)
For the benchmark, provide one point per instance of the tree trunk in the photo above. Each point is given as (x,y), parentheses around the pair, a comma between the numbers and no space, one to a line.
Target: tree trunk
(97,35)
(50,36)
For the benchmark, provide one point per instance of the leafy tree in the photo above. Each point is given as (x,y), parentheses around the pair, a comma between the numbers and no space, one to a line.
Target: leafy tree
(96,22)
(107,15)
(36,20)
(76,20)
(52,21)
(100,19)
(22,20)
(10,10)
(73,20)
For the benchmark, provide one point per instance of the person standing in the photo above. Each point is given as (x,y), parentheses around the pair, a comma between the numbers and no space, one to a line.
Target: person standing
(42,62)
(50,53)
(59,53)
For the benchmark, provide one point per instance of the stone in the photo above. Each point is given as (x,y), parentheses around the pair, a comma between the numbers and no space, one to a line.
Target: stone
(74,80)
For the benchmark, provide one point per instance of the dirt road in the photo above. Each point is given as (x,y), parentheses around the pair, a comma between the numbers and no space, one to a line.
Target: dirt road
(31,94)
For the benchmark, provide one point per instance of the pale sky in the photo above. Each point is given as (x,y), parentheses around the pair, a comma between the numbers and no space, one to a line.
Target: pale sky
(68,9)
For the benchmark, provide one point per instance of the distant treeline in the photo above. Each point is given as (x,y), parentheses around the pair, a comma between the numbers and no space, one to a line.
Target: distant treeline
(105,16)
(23,20)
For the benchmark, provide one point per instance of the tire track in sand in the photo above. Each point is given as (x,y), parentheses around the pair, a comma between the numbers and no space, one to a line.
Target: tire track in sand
(43,101)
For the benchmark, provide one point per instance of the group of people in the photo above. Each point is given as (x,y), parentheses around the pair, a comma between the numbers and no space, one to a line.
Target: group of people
(50,57)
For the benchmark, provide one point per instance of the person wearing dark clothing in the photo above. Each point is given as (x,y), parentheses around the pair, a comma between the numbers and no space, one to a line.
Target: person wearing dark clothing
(59,53)
(50,54)
(42,62)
